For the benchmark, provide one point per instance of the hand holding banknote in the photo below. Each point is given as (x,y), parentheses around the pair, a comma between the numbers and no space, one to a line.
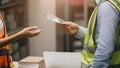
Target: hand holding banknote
(70,27)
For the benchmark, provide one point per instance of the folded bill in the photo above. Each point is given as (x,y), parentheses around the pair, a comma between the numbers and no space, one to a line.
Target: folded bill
(54,18)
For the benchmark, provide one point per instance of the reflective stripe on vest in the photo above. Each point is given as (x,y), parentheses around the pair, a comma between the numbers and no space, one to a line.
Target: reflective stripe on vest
(89,47)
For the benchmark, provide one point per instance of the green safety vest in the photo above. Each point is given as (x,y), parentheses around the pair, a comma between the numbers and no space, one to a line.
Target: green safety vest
(90,46)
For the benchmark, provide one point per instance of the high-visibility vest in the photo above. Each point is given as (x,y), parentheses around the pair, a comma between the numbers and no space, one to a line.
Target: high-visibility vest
(90,46)
(5,58)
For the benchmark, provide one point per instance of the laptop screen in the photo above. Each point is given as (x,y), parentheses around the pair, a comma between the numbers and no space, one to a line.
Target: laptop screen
(62,59)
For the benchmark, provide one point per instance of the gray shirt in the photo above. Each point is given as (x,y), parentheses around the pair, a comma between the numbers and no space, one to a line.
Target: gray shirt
(107,23)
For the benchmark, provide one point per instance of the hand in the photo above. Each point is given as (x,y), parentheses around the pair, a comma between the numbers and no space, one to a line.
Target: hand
(30,31)
(71,28)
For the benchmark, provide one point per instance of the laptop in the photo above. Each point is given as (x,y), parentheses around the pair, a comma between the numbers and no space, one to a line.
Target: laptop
(62,59)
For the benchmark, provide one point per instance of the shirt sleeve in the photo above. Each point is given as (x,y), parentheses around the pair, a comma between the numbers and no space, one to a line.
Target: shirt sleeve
(81,33)
(107,24)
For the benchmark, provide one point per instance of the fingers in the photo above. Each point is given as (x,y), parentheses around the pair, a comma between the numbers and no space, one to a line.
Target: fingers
(67,26)
(71,28)
(32,28)
(31,31)
(35,31)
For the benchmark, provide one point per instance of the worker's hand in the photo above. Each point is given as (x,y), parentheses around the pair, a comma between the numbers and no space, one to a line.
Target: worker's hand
(30,31)
(71,28)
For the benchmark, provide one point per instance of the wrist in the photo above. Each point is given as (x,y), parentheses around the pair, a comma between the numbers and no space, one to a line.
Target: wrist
(20,34)
(77,29)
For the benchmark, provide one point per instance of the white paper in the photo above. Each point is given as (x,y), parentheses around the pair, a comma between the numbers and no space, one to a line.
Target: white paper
(53,18)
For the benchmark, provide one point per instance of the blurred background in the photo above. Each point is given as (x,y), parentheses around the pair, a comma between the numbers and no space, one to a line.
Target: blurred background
(22,13)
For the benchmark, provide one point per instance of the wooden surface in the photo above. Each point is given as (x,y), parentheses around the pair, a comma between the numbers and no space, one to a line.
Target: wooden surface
(31,59)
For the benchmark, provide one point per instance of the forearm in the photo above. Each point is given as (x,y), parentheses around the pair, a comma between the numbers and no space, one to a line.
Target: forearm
(26,32)
(7,40)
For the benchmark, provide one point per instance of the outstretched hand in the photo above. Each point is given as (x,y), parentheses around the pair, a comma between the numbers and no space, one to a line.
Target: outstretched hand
(30,31)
